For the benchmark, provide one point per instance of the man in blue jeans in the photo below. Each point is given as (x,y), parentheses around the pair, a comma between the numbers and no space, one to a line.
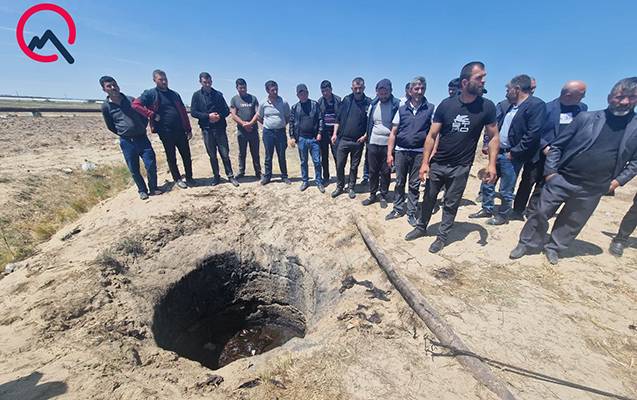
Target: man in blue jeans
(130,126)
(304,131)
(520,131)
(274,114)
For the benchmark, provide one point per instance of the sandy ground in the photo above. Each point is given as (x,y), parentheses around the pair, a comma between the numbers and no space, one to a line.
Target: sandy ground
(69,328)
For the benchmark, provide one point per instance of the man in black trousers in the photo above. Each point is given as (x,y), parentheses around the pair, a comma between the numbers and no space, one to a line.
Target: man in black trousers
(328,105)
(210,108)
(596,153)
(351,132)
(626,228)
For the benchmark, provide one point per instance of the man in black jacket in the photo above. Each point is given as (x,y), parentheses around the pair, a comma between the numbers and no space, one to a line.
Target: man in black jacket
(596,153)
(210,108)
(520,130)
(351,131)
(130,126)
(328,105)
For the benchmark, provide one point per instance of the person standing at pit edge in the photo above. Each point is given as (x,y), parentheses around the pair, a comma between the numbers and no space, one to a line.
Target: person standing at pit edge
(210,108)
(458,122)
(274,114)
(168,118)
(405,149)
(243,109)
(122,120)
(379,124)
(304,131)
(626,228)
(595,154)
(351,133)
(328,105)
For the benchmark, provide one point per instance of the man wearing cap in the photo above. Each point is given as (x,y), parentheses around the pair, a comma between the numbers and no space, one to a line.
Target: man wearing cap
(410,126)
(304,131)
(379,124)
(350,131)
(328,105)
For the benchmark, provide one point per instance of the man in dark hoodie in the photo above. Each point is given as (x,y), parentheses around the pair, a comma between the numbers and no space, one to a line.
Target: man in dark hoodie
(210,108)
(328,104)
(304,131)
(122,120)
(168,118)
(351,132)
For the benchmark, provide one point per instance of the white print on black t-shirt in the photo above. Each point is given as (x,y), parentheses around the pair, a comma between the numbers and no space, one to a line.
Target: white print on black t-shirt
(460,124)
(566,118)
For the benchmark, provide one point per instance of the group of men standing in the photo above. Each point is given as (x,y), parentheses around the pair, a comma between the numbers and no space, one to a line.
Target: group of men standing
(564,154)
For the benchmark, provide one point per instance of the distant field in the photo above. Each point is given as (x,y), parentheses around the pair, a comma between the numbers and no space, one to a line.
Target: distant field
(33,105)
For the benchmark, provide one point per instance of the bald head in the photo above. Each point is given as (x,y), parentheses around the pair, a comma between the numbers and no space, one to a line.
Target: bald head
(572,93)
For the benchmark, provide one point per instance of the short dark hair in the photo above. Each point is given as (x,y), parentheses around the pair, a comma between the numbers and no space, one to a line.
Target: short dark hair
(358,80)
(408,85)
(467,70)
(204,75)
(326,84)
(625,85)
(240,82)
(269,84)
(454,83)
(523,82)
(106,79)
(158,72)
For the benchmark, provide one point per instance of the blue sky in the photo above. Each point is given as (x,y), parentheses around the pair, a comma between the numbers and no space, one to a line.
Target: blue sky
(295,41)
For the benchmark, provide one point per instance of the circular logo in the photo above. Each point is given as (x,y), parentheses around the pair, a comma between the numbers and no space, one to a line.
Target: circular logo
(39,42)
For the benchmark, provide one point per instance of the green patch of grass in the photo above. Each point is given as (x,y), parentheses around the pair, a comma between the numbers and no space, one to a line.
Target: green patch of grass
(45,204)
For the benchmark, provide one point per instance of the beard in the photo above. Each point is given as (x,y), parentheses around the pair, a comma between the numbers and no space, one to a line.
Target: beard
(474,89)
(620,111)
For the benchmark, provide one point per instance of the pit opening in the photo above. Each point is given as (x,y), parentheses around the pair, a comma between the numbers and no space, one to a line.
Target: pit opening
(228,308)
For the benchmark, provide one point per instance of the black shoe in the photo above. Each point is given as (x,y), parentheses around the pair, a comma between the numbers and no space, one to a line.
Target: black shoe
(143,195)
(339,191)
(552,256)
(412,220)
(234,181)
(370,200)
(383,202)
(365,182)
(264,181)
(240,175)
(287,181)
(156,192)
(352,194)
(215,181)
(516,216)
(436,246)
(393,215)
(481,214)
(181,184)
(303,186)
(415,234)
(518,252)
(497,220)
(321,188)
(616,248)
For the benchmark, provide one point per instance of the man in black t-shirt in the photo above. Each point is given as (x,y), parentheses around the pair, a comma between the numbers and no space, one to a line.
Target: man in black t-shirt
(243,109)
(457,123)
(595,154)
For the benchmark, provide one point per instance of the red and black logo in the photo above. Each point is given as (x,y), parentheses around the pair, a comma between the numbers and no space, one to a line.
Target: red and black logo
(40,41)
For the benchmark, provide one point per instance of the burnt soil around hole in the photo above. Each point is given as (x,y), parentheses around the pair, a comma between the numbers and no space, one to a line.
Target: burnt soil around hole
(227,309)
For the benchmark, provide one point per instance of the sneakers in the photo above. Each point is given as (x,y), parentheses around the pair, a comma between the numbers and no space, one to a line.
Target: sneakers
(303,186)
(370,200)
(234,181)
(352,194)
(365,182)
(215,181)
(393,215)
(413,221)
(156,192)
(436,246)
(287,181)
(181,184)
(518,252)
(415,234)
(497,220)
(383,202)
(616,248)
(481,214)
(552,256)
(321,188)
(339,191)
(143,195)
(264,181)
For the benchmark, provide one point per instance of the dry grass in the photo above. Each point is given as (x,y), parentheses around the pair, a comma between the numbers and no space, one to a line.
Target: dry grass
(45,204)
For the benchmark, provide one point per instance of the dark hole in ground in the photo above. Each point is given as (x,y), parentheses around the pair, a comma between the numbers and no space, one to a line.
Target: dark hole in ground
(227,309)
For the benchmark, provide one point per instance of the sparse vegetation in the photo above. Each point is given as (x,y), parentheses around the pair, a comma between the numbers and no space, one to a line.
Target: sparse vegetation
(44,204)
